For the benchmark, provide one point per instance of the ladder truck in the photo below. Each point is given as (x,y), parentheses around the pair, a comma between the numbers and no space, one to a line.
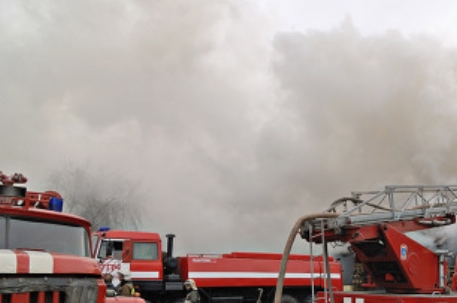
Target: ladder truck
(377,225)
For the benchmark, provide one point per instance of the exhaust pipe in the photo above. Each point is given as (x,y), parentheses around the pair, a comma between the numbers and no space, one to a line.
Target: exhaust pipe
(170,241)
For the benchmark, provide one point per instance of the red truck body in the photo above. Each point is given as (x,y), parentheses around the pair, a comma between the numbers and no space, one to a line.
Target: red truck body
(45,255)
(236,276)
(242,269)
(377,225)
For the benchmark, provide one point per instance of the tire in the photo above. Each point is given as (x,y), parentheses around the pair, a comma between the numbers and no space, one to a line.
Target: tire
(308,299)
(288,299)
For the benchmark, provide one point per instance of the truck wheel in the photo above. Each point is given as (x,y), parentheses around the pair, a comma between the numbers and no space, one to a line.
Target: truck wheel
(308,299)
(288,299)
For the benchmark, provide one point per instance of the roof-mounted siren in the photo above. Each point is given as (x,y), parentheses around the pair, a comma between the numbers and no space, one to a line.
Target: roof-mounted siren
(8,192)
(11,180)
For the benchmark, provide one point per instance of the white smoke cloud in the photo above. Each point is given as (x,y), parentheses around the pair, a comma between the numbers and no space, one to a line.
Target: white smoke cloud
(232,135)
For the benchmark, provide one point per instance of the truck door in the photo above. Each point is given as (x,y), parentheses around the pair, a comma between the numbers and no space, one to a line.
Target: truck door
(146,265)
(109,255)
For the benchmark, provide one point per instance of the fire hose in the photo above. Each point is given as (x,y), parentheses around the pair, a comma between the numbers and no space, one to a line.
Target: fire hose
(288,248)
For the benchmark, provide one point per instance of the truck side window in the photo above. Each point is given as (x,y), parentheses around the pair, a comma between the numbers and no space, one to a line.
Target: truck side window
(111,249)
(117,250)
(145,251)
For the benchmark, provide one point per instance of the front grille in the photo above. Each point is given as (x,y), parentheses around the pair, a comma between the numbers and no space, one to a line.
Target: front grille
(34,297)
(48,290)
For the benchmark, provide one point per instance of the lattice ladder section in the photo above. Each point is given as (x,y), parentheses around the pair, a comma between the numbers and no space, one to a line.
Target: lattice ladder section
(395,203)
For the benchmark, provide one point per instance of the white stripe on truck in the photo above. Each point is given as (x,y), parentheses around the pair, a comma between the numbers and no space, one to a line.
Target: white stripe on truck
(41,262)
(8,262)
(261,275)
(144,274)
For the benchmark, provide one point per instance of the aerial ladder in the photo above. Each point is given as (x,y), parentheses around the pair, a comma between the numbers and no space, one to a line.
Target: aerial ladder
(375,225)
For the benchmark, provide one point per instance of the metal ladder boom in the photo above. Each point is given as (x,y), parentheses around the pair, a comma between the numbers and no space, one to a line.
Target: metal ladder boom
(394,203)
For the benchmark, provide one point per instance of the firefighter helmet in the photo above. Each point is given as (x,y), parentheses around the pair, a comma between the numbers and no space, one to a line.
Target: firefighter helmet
(191,283)
(125,273)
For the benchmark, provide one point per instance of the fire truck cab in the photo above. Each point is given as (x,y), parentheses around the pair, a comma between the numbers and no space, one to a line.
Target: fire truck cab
(140,253)
(45,255)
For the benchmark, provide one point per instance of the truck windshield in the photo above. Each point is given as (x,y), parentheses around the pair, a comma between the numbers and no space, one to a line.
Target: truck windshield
(48,236)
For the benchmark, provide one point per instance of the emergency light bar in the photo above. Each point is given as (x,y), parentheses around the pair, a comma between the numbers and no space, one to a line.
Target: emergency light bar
(49,200)
(103,228)
(17,196)
(56,204)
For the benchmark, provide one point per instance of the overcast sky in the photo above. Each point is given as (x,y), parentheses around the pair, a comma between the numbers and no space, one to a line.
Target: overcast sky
(370,17)
(235,117)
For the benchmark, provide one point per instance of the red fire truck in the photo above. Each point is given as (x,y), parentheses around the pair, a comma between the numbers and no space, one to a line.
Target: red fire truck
(381,228)
(233,277)
(45,254)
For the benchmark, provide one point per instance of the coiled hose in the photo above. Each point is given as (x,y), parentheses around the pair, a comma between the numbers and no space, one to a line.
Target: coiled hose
(288,248)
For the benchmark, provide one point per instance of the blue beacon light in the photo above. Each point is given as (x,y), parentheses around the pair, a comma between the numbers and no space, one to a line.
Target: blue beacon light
(56,204)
